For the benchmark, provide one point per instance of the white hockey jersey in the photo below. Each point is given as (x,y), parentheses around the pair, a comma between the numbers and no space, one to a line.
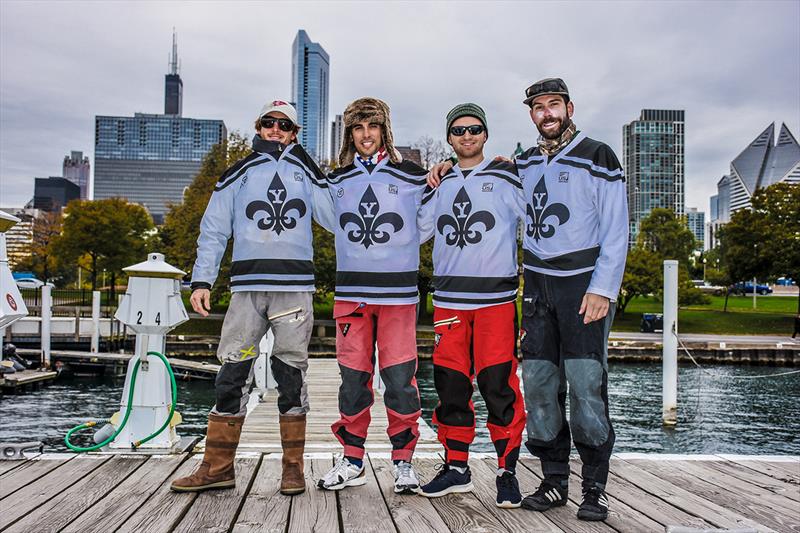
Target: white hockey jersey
(266,202)
(377,240)
(474,219)
(576,217)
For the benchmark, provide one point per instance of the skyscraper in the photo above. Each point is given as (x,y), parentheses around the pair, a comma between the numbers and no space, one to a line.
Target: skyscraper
(150,159)
(76,169)
(653,157)
(173,85)
(696,221)
(337,131)
(310,67)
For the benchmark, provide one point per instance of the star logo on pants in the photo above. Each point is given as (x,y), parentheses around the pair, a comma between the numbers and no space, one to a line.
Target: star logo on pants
(251,351)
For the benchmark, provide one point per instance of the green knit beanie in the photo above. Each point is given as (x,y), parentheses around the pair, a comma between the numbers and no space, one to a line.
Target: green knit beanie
(466,110)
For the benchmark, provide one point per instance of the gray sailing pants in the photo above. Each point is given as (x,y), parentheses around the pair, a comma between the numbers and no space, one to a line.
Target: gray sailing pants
(558,348)
(250,315)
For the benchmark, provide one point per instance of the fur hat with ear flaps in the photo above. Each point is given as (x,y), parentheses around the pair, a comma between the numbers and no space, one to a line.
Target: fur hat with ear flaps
(367,110)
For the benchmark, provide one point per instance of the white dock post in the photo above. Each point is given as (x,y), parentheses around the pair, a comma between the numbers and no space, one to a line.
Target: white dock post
(669,388)
(95,346)
(47,315)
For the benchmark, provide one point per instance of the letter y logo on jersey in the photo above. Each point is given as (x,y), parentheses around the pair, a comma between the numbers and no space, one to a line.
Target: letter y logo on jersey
(369,220)
(538,212)
(277,210)
(463,229)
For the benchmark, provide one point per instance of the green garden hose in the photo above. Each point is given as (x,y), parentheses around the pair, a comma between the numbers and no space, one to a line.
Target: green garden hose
(128,410)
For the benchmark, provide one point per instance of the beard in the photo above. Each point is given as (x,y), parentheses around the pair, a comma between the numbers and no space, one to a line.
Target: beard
(563,124)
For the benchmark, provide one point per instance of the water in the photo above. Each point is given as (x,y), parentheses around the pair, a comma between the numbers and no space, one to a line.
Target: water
(717,413)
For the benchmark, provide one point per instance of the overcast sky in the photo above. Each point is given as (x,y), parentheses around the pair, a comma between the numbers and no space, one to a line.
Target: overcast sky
(733,66)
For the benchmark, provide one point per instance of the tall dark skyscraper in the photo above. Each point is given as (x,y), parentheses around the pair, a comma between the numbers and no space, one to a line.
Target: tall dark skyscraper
(652,155)
(150,159)
(173,86)
(310,69)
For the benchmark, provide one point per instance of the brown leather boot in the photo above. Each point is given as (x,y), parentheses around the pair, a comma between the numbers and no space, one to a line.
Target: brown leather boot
(293,441)
(216,470)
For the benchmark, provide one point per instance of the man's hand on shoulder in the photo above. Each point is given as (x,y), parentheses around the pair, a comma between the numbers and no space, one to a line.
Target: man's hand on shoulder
(434,177)
(593,307)
(201,301)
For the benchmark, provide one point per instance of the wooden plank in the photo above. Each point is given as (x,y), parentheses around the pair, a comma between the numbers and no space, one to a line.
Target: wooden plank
(622,492)
(315,511)
(26,377)
(164,507)
(122,502)
(416,514)
(732,472)
(484,472)
(61,508)
(7,466)
(30,471)
(682,498)
(265,509)
(751,501)
(530,475)
(216,510)
(362,509)
(787,472)
(57,480)
(460,512)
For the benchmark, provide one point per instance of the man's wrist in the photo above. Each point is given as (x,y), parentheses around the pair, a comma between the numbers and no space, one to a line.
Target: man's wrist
(200,285)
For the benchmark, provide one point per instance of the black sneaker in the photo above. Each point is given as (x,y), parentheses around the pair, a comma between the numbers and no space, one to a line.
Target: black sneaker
(594,505)
(508,495)
(549,494)
(447,481)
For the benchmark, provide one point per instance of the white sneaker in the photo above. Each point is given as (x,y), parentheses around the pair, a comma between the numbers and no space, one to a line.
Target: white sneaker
(405,479)
(343,474)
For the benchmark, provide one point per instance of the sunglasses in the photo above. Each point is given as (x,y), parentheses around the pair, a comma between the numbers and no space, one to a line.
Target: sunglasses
(283,123)
(475,129)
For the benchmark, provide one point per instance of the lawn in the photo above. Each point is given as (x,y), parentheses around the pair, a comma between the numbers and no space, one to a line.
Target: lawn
(774,316)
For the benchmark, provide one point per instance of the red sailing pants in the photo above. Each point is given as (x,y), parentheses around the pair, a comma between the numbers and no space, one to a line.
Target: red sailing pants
(469,343)
(359,326)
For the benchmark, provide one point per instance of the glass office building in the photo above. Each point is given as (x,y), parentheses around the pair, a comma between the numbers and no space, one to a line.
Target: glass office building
(653,158)
(310,69)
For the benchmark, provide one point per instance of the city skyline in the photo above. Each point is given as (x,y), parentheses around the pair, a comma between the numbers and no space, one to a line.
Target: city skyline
(709,60)
(310,79)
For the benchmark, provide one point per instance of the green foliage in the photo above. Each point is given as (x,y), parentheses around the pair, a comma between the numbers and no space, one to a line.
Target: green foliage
(666,235)
(111,233)
(425,275)
(324,262)
(182,222)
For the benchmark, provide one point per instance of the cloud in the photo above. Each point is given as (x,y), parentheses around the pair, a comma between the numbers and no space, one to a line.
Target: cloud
(733,66)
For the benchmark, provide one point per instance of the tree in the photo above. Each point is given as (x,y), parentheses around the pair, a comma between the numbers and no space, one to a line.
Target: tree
(46,226)
(431,151)
(324,261)
(182,222)
(640,278)
(425,276)
(112,233)
(764,242)
(666,235)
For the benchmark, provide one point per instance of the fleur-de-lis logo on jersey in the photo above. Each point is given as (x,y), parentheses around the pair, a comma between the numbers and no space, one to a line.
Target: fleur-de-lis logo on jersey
(368,221)
(539,212)
(462,224)
(277,210)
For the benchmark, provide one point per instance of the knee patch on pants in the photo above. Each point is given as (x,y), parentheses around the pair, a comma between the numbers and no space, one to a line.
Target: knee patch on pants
(230,384)
(401,395)
(588,419)
(290,384)
(542,382)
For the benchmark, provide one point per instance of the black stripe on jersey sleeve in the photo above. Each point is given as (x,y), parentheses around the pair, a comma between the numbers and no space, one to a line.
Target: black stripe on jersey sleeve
(571,261)
(522,164)
(402,176)
(409,167)
(592,171)
(343,173)
(376,279)
(387,295)
(239,168)
(505,177)
(428,194)
(476,301)
(271,266)
(505,166)
(530,153)
(475,284)
(299,157)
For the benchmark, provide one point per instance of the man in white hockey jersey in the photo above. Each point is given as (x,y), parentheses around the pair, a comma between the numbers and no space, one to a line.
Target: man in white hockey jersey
(473,216)
(575,244)
(265,202)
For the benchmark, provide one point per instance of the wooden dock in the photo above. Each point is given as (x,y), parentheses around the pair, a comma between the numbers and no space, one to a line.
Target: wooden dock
(23,380)
(130,493)
(93,493)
